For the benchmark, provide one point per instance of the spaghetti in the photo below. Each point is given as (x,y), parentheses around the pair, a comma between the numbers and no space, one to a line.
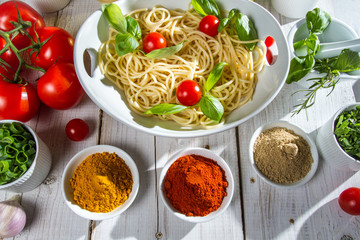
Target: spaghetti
(147,82)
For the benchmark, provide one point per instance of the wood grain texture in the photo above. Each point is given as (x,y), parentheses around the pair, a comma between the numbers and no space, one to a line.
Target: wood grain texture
(257,210)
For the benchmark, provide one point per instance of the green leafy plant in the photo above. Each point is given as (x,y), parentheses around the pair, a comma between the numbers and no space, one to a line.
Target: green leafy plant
(127,40)
(317,21)
(347,131)
(244,27)
(209,105)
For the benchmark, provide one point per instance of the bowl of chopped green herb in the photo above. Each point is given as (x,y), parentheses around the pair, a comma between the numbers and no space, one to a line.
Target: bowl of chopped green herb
(25,160)
(338,140)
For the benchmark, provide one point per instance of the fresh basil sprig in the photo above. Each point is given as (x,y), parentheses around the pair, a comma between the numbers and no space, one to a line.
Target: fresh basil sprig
(317,21)
(115,17)
(165,52)
(206,7)
(209,105)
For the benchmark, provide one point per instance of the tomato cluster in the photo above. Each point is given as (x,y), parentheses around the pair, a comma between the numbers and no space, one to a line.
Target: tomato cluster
(50,50)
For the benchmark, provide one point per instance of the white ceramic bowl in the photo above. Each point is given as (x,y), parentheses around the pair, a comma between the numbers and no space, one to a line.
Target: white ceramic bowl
(293,8)
(95,30)
(329,147)
(72,165)
(48,6)
(299,132)
(38,170)
(208,154)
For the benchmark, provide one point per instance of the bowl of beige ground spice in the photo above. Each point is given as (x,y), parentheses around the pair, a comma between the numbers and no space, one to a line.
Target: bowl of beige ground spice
(283,154)
(100,182)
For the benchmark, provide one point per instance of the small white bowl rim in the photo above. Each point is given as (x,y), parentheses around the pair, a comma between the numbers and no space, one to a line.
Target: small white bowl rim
(297,130)
(99,149)
(344,108)
(208,154)
(32,167)
(302,21)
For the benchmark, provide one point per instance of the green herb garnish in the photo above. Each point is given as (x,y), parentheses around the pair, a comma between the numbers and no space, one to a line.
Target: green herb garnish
(17,151)
(317,21)
(347,132)
(209,105)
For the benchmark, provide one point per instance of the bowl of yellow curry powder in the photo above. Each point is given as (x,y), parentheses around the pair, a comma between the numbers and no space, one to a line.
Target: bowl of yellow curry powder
(100,182)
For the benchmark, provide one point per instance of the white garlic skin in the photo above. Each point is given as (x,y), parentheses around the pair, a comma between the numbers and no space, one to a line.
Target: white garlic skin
(12,217)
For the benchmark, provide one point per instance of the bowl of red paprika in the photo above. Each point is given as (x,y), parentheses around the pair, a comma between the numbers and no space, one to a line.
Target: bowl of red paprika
(196,185)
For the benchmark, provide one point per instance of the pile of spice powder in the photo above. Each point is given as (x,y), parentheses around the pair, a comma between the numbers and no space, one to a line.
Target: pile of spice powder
(195,185)
(282,156)
(101,182)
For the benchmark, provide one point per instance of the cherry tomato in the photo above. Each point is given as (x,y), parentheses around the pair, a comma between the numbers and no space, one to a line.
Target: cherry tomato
(59,87)
(9,57)
(188,93)
(8,14)
(209,25)
(153,41)
(269,41)
(59,47)
(349,201)
(77,129)
(18,101)
(269,56)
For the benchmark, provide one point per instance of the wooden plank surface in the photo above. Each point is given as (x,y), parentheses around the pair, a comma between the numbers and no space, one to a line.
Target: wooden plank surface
(257,211)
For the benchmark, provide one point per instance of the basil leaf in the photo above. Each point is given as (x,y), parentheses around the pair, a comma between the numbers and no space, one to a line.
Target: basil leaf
(312,44)
(223,23)
(125,43)
(133,27)
(211,107)
(347,61)
(165,109)
(317,21)
(165,52)
(214,76)
(115,18)
(299,68)
(206,7)
(245,30)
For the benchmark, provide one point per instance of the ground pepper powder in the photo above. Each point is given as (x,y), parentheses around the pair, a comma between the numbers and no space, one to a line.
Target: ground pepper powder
(195,185)
(101,182)
(282,155)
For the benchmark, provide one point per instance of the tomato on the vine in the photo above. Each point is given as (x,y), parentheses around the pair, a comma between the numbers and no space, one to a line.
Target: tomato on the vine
(77,129)
(188,93)
(58,48)
(8,14)
(349,201)
(153,41)
(59,87)
(209,25)
(9,57)
(18,101)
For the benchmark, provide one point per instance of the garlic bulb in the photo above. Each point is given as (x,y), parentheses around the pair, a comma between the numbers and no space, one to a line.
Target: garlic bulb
(12,217)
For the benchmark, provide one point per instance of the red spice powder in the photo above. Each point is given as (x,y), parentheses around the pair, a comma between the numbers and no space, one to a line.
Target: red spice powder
(195,185)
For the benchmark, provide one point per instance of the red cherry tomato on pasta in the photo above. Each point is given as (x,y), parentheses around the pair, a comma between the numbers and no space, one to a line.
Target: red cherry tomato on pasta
(349,201)
(209,25)
(153,41)
(59,47)
(8,14)
(77,129)
(59,87)
(188,93)
(269,41)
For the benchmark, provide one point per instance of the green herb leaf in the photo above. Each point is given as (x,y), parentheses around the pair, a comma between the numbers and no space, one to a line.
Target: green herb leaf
(125,43)
(211,107)
(347,61)
(317,21)
(214,76)
(115,17)
(227,21)
(133,27)
(312,44)
(166,109)
(299,68)
(245,30)
(206,7)
(165,52)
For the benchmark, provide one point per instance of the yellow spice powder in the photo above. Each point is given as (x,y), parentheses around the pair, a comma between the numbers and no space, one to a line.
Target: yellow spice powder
(101,182)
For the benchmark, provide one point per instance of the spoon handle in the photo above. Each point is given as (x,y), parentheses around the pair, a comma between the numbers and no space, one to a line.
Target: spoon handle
(334,48)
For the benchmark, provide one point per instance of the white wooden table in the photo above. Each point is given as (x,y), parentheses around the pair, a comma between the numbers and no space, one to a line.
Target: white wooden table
(257,210)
